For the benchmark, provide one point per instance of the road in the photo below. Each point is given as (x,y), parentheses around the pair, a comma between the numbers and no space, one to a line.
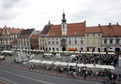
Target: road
(16,76)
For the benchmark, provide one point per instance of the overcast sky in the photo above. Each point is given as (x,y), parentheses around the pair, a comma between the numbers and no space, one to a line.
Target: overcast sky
(37,13)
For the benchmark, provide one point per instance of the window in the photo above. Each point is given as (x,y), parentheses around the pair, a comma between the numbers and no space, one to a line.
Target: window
(54,34)
(87,44)
(98,49)
(75,42)
(98,44)
(69,38)
(117,41)
(111,41)
(98,34)
(57,42)
(69,42)
(105,41)
(53,42)
(49,48)
(93,44)
(81,48)
(63,26)
(98,39)
(87,39)
(87,35)
(53,49)
(82,42)
(93,39)
(57,49)
(93,34)
(75,33)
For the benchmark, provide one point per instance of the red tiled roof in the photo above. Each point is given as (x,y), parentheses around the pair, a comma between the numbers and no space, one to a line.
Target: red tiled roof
(26,33)
(95,29)
(1,30)
(16,31)
(55,29)
(107,31)
(34,36)
(116,29)
(46,30)
(71,29)
(76,27)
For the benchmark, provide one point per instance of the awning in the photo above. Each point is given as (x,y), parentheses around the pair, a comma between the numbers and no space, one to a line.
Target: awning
(51,51)
(65,51)
(60,51)
(83,52)
(95,52)
(89,52)
(71,51)
(77,52)
(112,53)
(102,52)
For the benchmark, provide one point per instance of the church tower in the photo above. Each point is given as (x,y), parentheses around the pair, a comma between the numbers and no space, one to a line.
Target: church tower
(64,25)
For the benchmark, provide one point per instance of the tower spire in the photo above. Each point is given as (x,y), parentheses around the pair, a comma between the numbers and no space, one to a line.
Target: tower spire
(63,17)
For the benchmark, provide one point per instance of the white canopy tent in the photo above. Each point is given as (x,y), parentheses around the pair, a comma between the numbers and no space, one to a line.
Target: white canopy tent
(71,64)
(63,64)
(43,62)
(72,56)
(108,67)
(49,62)
(80,65)
(6,51)
(89,65)
(57,63)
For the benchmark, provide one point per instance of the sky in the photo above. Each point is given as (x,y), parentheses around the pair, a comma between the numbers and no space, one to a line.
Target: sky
(37,13)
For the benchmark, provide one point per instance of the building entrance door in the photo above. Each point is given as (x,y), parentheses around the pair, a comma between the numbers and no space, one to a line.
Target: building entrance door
(63,49)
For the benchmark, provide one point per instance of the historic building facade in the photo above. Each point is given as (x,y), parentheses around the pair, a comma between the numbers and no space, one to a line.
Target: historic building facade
(24,38)
(34,42)
(8,35)
(43,37)
(64,37)
(111,39)
(93,39)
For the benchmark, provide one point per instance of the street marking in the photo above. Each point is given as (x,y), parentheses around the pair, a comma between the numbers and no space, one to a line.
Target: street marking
(10,82)
(28,77)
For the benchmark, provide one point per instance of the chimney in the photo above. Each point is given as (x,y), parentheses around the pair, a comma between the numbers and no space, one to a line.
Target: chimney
(99,25)
(13,27)
(117,23)
(110,25)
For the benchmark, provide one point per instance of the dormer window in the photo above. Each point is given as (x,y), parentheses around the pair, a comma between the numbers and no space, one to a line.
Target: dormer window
(54,34)
(75,33)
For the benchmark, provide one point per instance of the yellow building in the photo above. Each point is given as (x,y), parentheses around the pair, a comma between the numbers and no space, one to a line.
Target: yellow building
(93,39)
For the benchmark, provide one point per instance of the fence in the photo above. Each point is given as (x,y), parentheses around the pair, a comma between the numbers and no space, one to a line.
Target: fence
(55,73)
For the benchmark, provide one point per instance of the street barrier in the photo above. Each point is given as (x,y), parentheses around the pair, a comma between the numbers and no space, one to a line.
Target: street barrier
(54,73)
